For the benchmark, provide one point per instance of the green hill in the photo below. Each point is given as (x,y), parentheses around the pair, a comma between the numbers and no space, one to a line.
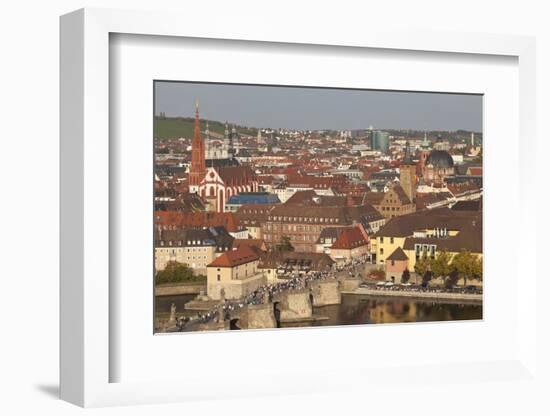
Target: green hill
(174,128)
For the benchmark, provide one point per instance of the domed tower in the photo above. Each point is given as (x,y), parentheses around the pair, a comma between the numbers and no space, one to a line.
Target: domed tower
(423,155)
(439,165)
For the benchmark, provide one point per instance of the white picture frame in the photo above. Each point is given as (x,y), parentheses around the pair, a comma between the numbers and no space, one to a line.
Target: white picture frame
(86,353)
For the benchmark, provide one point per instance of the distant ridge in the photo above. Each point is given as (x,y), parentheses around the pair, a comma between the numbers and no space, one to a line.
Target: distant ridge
(176,127)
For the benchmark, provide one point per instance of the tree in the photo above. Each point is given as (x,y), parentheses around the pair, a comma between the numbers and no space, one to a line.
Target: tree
(284,244)
(452,280)
(426,277)
(467,265)
(422,265)
(477,269)
(405,276)
(441,265)
(176,272)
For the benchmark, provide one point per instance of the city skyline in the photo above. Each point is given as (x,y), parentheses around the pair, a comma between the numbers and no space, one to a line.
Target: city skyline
(301,229)
(307,108)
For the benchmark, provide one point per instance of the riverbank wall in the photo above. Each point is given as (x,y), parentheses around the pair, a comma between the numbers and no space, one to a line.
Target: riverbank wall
(179,289)
(433,296)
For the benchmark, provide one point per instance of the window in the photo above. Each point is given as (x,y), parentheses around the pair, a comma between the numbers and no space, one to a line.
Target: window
(391,240)
(381,239)
(393,262)
(219,277)
(381,251)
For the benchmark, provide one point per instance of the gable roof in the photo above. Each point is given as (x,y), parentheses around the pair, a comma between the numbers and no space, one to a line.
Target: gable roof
(398,255)
(401,195)
(235,175)
(244,254)
(350,238)
(256,244)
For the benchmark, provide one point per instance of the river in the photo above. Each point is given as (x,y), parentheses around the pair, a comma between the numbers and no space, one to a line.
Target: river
(360,309)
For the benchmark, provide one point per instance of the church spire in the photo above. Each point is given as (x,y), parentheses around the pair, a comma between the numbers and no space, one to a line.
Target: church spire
(425,143)
(198,164)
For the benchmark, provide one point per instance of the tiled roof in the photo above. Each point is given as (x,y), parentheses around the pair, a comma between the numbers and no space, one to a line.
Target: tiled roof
(244,254)
(256,244)
(425,199)
(405,225)
(475,205)
(253,214)
(235,175)
(349,239)
(331,233)
(400,192)
(398,255)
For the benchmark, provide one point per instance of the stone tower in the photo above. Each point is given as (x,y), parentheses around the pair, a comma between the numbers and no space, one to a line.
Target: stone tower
(407,174)
(198,162)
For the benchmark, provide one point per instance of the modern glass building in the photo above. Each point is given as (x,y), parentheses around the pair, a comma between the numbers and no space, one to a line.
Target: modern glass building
(380,140)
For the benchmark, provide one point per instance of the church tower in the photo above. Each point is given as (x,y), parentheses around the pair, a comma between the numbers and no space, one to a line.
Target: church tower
(407,175)
(198,153)
(226,143)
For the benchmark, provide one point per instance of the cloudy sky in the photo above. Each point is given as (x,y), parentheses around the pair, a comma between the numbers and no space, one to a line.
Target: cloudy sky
(320,108)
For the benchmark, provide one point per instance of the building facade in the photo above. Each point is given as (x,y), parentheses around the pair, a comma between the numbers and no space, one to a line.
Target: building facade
(395,203)
(234,274)
(407,175)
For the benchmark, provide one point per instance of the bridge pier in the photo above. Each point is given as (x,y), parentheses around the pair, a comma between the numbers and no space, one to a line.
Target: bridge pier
(325,292)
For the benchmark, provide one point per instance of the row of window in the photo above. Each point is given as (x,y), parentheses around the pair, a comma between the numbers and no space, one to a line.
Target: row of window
(295,228)
(304,219)
(189,243)
(186,250)
(424,249)
(390,208)
(187,257)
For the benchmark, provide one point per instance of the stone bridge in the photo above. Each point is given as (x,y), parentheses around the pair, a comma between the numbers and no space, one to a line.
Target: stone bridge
(286,309)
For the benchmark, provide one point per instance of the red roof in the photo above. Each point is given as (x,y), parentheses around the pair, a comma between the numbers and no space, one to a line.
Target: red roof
(244,254)
(350,238)
(256,244)
(475,171)
(236,175)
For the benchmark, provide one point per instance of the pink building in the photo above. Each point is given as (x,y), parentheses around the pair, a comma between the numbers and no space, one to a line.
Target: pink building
(396,264)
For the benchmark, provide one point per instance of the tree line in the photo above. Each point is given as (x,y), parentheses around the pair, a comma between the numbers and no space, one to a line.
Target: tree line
(463,265)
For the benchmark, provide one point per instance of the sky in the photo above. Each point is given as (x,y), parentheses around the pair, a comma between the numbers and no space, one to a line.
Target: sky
(319,108)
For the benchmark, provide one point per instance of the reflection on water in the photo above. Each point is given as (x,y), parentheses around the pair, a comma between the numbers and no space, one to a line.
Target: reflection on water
(371,310)
(356,309)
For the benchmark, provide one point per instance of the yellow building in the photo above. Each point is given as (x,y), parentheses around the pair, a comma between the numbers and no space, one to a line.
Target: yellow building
(234,274)
(429,232)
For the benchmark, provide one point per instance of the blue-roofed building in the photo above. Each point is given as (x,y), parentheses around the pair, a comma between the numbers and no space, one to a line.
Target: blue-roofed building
(251,198)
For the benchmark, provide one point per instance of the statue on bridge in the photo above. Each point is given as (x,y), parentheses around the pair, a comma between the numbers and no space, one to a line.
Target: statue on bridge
(172,313)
